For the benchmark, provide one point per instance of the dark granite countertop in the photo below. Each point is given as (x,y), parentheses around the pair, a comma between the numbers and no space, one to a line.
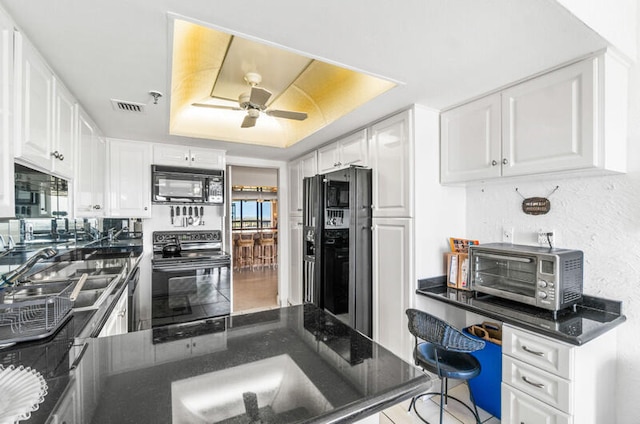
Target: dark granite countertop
(51,355)
(302,364)
(593,316)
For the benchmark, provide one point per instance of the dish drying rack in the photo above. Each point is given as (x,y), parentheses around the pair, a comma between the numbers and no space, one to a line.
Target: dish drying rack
(31,312)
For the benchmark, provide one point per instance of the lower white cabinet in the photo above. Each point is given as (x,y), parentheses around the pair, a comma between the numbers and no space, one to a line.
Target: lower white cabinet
(118,321)
(519,408)
(68,407)
(392,283)
(295,259)
(547,381)
(129,179)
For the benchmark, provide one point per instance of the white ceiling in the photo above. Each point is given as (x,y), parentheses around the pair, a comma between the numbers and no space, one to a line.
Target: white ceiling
(441,51)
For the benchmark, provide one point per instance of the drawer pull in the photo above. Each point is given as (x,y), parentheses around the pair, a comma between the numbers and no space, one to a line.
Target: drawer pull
(533,352)
(538,385)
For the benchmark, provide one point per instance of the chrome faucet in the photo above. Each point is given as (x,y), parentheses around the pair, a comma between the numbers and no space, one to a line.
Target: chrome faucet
(15,277)
(113,234)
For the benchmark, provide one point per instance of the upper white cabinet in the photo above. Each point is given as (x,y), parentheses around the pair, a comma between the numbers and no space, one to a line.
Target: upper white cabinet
(471,142)
(129,180)
(391,144)
(64,131)
(90,169)
(34,104)
(570,119)
(350,150)
(299,169)
(7,200)
(45,119)
(164,154)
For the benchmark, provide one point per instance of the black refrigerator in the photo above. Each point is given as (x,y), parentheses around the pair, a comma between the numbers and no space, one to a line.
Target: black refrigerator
(337,245)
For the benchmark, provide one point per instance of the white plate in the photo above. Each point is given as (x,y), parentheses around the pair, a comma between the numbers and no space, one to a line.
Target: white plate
(23,390)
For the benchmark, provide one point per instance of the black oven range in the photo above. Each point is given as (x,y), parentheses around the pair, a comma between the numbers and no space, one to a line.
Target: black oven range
(190,277)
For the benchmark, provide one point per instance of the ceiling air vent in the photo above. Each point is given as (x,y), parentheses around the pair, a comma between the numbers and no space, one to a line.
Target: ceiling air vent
(124,106)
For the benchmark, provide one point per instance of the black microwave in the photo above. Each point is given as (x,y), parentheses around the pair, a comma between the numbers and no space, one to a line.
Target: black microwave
(174,185)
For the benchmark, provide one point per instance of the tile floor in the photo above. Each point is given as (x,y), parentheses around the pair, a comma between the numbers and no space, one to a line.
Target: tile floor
(429,409)
(255,290)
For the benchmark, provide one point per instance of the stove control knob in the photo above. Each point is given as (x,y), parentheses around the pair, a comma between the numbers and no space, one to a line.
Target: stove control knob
(542,295)
(542,283)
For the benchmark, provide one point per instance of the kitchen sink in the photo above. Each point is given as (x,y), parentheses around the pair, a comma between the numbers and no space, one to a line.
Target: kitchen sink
(272,390)
(94,291)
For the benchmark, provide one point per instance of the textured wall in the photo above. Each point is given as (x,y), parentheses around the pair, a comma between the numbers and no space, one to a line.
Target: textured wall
(599,215)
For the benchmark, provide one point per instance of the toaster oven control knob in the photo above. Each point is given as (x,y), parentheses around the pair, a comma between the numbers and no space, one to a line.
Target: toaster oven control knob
(542,283)
(542,295)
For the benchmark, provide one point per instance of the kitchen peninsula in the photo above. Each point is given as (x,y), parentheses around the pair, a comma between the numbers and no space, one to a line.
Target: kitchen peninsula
(293,364)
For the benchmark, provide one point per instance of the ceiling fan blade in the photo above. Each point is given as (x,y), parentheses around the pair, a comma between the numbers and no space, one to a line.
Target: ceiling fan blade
(259,96)
(216,106)
(287,114)
(249,121)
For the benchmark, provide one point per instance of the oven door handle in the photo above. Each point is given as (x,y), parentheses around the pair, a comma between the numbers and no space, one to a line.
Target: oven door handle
(504,258)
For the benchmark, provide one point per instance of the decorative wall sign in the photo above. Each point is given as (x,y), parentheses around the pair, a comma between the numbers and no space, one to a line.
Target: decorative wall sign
(536,205)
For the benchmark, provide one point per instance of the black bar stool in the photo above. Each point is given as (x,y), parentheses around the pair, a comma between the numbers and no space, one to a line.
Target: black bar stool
(445,351)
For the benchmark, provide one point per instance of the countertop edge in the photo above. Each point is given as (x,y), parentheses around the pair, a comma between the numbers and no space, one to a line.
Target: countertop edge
(365,408)
(577,341)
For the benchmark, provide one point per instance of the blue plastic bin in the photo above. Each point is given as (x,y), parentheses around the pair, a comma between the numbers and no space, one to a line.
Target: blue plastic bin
(486,386)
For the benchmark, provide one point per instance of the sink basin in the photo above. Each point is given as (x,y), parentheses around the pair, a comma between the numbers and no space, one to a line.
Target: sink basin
(94,291)
(282,391)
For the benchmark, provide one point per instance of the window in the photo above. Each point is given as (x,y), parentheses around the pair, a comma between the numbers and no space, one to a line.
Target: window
(252,214)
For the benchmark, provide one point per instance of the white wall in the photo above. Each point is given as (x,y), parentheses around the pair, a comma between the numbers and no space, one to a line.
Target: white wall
(613,20)
(599,215)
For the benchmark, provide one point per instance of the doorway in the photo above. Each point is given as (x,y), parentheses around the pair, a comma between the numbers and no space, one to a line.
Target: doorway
(253,219)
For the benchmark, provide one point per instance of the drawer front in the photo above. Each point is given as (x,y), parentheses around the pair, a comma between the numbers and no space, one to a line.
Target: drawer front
(520,408)
(544,353)
(542,385)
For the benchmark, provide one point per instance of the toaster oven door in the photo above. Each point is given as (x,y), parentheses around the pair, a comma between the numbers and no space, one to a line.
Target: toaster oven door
(508,276)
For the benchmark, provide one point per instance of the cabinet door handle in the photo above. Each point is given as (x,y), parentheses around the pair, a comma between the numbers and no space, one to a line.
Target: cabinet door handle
(533,352)
(505,161)
(55,154)
(526,380)
(494,162)
(145,208)
(186,157)
(96,207)
(61,156)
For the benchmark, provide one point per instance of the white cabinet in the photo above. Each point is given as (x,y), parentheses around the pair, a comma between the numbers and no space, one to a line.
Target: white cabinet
(194,346)
(391,146)
(570,119)
(350,150)
(295,258)
(306,166)
(33,103)
(90,170)
(64,131)
(67,409)
(117,323)
(471,141)
(45,119)
(547,381)
(392,282)
(164,154)
(7,198)
(129,179)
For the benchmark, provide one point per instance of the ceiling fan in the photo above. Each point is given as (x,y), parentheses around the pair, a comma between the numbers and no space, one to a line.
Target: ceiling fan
(254,102)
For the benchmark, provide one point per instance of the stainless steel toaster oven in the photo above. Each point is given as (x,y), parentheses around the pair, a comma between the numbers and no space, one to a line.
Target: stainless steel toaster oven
(547,278)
